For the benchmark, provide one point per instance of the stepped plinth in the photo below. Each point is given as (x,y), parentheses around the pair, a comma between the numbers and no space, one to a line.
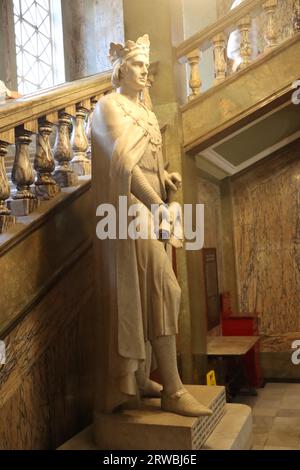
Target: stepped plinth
(232,432)
(151,428)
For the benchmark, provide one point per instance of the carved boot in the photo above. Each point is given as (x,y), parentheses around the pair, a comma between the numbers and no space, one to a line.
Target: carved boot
(183,403)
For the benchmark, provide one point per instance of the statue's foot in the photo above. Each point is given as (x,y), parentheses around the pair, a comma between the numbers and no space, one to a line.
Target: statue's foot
(183,403)
(151,389)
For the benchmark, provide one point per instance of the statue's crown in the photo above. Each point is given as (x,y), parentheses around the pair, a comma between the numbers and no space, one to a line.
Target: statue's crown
(129,49)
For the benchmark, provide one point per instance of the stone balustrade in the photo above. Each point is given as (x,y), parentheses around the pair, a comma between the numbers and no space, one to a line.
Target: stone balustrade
(240,22)
(66,111)
(37,116)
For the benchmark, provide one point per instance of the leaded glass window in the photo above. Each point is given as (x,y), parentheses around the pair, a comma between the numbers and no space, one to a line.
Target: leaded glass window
(35,46)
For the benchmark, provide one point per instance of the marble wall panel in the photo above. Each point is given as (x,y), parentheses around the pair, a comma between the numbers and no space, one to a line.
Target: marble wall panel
(266,210)
(209,195)
(89,26)
(46,393)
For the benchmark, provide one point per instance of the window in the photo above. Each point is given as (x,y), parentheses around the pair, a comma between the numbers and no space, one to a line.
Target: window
(38,31)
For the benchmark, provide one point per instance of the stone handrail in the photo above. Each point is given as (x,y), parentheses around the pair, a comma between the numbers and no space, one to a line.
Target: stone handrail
(68,108)
(36,105)
(216,36)
(34,117)
(204,38)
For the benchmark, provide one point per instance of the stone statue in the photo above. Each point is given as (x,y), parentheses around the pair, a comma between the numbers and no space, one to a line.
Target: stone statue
(138,293)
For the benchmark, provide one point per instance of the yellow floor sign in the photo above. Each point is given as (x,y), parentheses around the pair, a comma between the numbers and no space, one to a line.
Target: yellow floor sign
(211,378)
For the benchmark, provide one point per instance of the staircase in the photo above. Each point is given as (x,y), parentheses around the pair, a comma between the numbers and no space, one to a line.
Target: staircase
(248,114)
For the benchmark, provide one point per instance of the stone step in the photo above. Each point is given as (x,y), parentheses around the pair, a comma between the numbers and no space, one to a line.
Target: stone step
(149,427)
(233,432)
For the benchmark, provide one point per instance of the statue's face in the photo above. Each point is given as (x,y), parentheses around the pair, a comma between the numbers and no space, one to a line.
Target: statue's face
(134,72)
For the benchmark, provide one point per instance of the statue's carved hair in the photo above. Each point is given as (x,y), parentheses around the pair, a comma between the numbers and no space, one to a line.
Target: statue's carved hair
(116,74)
(119,54)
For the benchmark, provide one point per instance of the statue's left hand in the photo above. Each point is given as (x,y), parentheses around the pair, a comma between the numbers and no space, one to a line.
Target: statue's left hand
(173,181)
(13,95)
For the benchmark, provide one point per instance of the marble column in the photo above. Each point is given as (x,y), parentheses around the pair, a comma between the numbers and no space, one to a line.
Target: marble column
(8,65)
(229,264)
(89,26)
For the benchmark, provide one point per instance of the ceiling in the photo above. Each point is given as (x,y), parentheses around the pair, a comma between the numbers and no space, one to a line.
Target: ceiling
(252,142)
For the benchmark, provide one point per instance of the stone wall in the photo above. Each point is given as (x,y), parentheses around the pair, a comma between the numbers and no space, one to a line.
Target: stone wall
(47,322)
(266,210)
(209,194)
(197,15)
(8,66)
(88,27)
(46,387)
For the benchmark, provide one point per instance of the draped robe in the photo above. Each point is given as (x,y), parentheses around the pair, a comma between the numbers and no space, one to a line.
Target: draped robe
(121,134)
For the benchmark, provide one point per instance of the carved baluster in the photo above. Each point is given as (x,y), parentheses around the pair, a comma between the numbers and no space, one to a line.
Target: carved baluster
(6,219)
(219,45)
(88,128)
(22,172)
(62,152)
(271,30)
(80,163)
(296,16)
(24,200)
(45,185)
(195,83)
(244,26)
(4,183)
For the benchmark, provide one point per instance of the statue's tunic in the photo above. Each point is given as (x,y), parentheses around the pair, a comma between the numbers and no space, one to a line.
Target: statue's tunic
(138,294)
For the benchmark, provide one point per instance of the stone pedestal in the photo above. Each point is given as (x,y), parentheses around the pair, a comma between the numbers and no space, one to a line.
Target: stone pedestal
(233,432)
(6,222)
(65,178)
(45,192)
(21,207)
(151,428)
(81,167)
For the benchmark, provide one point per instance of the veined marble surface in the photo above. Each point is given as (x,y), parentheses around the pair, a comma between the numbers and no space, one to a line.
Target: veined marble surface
(266,206)
(279,343)
(209,195)
(46,387)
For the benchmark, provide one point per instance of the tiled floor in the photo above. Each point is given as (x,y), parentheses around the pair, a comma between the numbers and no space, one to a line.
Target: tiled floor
(276,416)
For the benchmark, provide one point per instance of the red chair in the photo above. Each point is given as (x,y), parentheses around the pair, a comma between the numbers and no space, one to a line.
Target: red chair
(243,324)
